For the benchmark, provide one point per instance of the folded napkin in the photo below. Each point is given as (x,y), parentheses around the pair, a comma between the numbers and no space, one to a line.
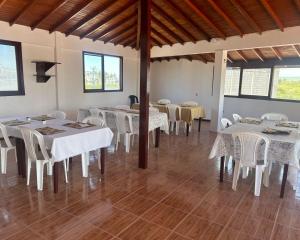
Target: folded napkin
(251,121)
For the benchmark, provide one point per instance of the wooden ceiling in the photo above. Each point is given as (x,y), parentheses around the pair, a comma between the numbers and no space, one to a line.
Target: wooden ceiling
(173,21)
(261,54)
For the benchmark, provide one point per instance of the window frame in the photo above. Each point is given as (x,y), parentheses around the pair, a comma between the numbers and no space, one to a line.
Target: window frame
(19,66)
(103,71)
(269,97)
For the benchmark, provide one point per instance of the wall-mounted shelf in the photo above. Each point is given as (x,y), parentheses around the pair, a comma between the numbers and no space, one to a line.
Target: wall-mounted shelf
(41,68)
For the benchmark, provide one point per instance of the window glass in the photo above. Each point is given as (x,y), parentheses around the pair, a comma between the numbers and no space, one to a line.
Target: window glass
(255,82)
(232,81)
(112,72)
(92,72)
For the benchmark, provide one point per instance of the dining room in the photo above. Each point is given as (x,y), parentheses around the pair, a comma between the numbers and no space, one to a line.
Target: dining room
(149,119)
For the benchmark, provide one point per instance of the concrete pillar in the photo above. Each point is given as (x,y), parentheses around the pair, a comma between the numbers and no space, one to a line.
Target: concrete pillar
(218,89)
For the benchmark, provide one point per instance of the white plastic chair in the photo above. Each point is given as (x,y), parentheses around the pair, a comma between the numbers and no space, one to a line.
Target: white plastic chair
(248,144)
(274,117)
(58,115)
(164,101)
(236,117)
(123,107)
(111,121)
(6,148)
(173,109)
(225,123)
(30,136)
(190,104)
(96,112)
(100,123)
(153,110)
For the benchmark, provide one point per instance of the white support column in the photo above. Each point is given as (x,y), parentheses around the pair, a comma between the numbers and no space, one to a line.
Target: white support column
(218,89)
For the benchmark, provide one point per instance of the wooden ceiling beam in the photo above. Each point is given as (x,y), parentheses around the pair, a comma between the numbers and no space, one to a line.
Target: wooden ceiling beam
(138,32)
(267,6)
(277,53)
(109,29)
(221,12)
(249,19)
(129,41)
(167,30)
(106,19)
(120,32)
(156,41)
(123,37)
(20,13)
(259,54)
(201,58)
(297,3)
(229,58)
(242,55)
(198,11)
(2,2)
(189,20)
(55,7)
(70,15)
(171,20)
(297,49)
(162,37)
(89,17)
(188,58)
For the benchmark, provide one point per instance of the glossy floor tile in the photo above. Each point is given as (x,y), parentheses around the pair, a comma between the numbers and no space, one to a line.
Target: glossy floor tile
(178,197)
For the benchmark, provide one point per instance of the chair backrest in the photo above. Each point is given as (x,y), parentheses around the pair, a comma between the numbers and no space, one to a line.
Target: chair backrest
(190,103)
(110,119)
(95,121)
(164,101)
(225,122)
(173,109)
(129,123)
(58,114)
(250,147)
(29,136)
(133,99)
(153,110)
(236,117)
(123,107)
(5,135)
(274,117)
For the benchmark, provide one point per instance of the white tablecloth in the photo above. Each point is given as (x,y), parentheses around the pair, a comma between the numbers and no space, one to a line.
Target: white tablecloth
(283,148)
(69,143)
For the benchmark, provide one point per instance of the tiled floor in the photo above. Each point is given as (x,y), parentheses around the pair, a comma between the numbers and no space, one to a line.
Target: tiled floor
(177,198)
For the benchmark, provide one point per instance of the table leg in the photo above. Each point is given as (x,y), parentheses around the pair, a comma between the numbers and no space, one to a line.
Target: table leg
(21,162)
(102,159)
(199,126)
(187,129)
(284,177)
(157,137)
(222,160)
(55,177)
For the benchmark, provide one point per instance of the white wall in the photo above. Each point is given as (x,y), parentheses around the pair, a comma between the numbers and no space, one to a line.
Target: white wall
(42,97)
(182,81)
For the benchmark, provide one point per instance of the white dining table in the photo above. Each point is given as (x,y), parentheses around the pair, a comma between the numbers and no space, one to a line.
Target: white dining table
(66,144)
(283,148)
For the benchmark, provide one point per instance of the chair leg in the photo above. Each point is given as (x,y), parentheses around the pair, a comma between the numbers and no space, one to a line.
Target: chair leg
(68,164)
(245,172)
(177,127)
(258,177)
(267,173)
(66,170)
(15,150)
(153,137)
(132,141)
(84,165)
(236,174)
(3,160)
(171,126)
(39,174)
(49,169)
(117,141)
(28,171)
(99,158)
(127,142)
(226,161)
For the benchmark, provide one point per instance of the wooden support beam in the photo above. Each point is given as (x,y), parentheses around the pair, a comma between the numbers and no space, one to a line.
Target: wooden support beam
(297,3)
(172,21)
(119,33)
(267,6)
(189,20)
(70,15)
(259,54)
(2,2)
(277,53)
(221,12)
(55,7)
(107,18)
(111,28)
(198,11)
(20,13)
(144,82)
(249,19)
(242,55)
(167,30)
(89,17)
(138,33)
(156,41)
(297,49)
(162,37)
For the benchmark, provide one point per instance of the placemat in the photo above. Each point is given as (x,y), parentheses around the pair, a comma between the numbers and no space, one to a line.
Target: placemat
(42,118)
(78,125)
(287,124)
(15,122)
(275,131)
(251,121)
(49,130)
